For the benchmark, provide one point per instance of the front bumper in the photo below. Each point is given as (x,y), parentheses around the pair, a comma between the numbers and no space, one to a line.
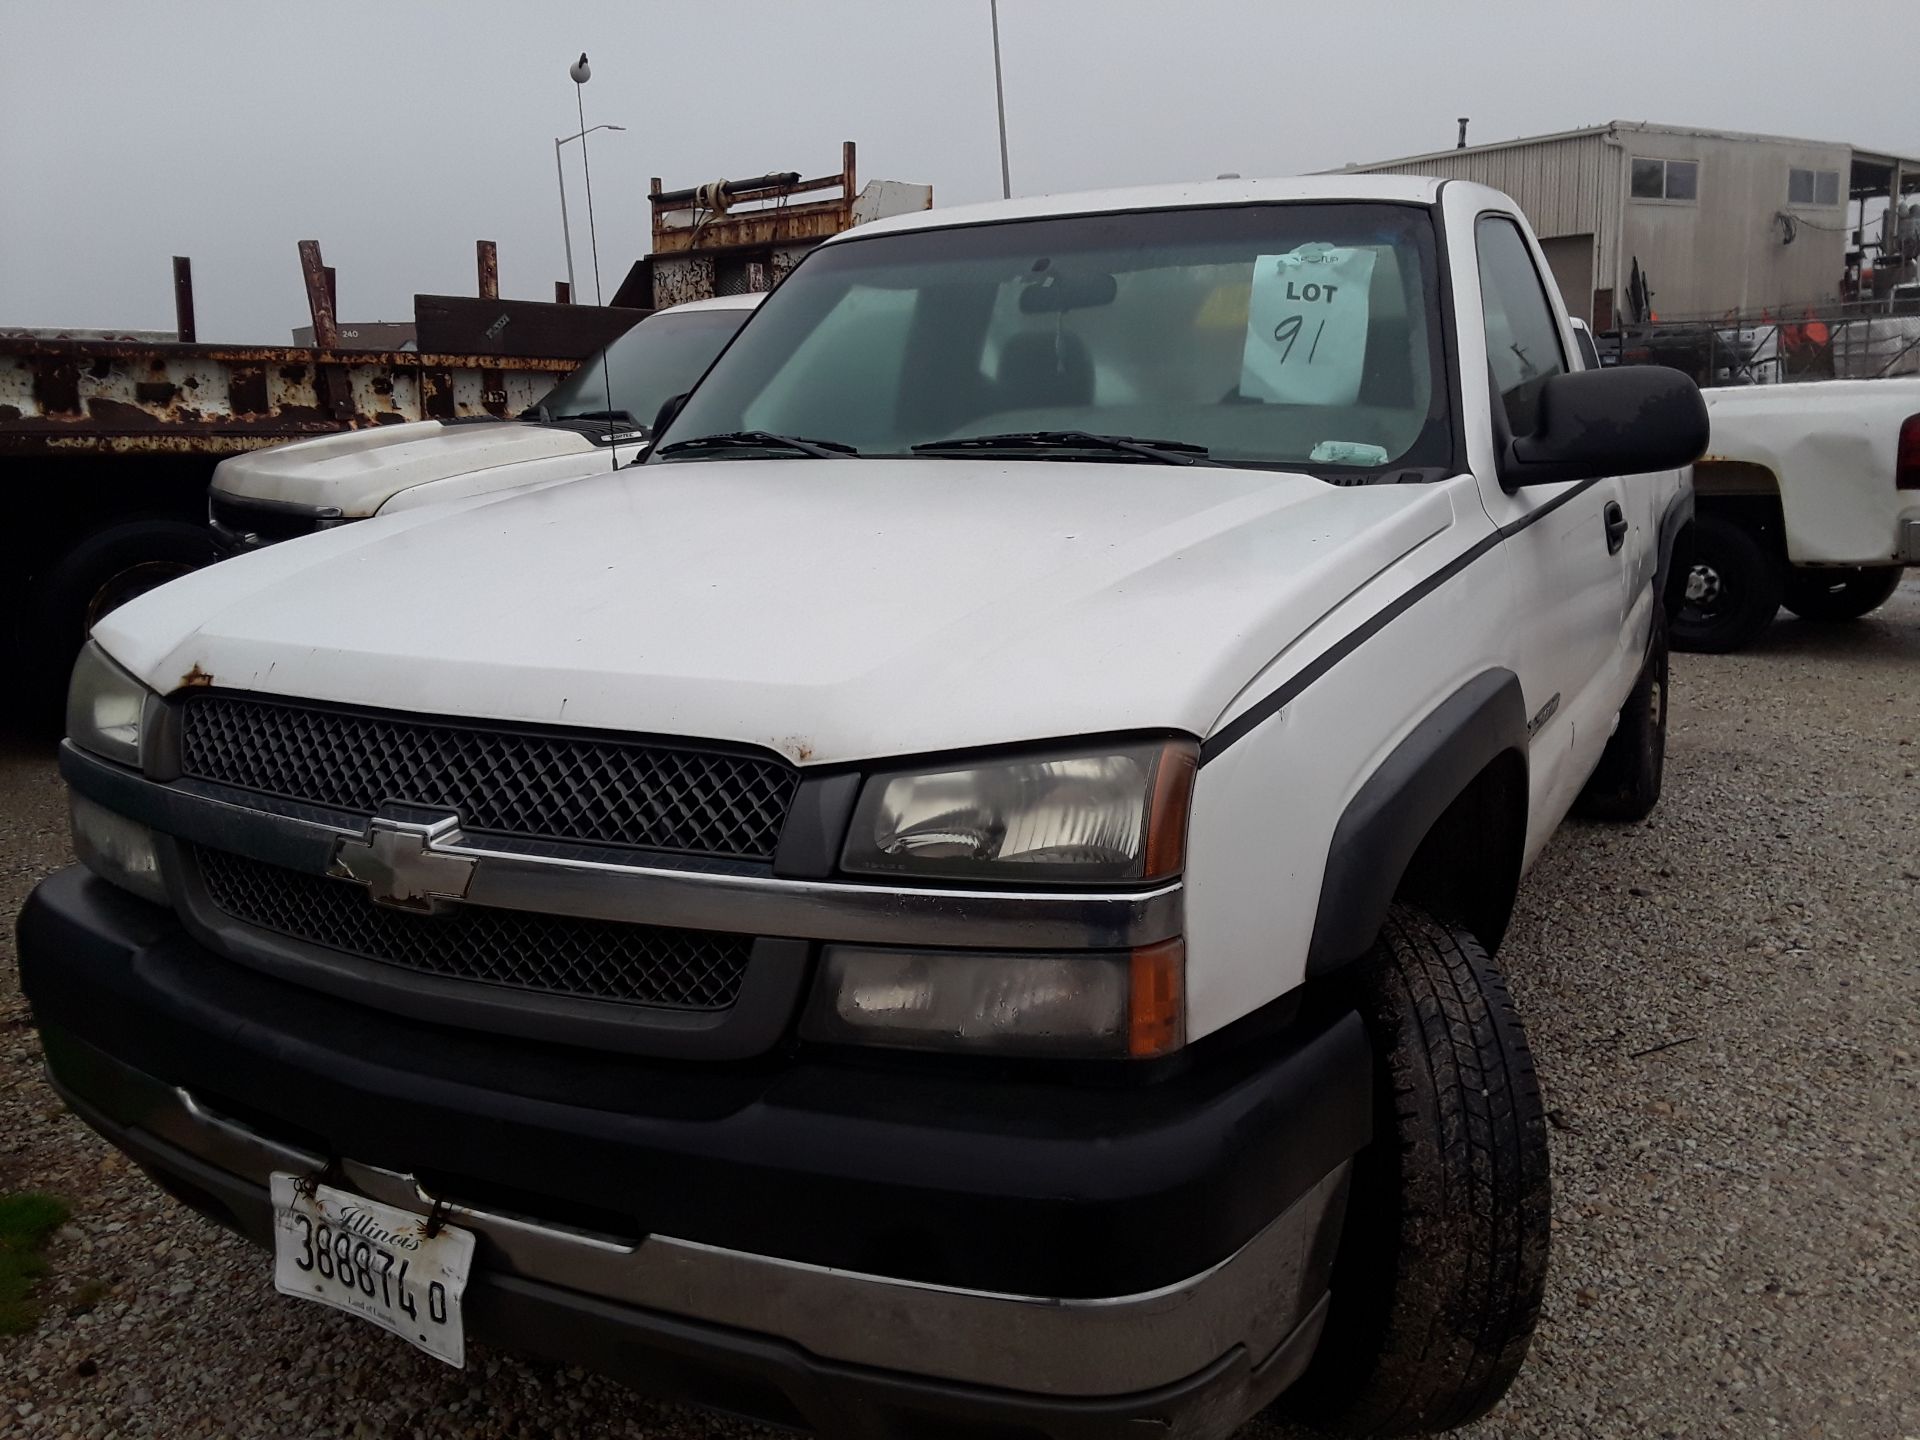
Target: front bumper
(805,1244)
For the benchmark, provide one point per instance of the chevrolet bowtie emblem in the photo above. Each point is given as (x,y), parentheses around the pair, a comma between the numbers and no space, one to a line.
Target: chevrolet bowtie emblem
(397,863)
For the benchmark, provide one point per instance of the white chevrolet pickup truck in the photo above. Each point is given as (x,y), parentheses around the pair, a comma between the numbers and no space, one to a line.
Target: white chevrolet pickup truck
(1809,497)
(957,898)
(599,418)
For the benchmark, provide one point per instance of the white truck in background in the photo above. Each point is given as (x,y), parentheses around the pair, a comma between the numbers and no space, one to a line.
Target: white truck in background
(717,248)
(1808,497)
(598,418)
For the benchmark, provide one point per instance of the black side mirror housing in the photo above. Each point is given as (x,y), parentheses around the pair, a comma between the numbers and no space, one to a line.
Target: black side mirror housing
(663,417)
(1625,421)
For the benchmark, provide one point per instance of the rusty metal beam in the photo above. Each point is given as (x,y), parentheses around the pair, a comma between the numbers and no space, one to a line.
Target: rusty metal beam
(326,333)
(183,299)
(776,225)
(79,397)
(90,350)
(488,256)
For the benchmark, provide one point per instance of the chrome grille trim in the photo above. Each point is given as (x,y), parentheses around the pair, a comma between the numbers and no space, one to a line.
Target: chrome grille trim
(755,902)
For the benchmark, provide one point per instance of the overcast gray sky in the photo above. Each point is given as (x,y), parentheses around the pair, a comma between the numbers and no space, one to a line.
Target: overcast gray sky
(398,133)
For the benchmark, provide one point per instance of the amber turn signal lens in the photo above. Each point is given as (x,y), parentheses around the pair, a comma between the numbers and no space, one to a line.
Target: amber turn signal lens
(1166,847)
(1157,1002)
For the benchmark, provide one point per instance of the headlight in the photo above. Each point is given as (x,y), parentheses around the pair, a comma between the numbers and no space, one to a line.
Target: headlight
(1116,812)
(1060,1006)
(117,849)
(104,705)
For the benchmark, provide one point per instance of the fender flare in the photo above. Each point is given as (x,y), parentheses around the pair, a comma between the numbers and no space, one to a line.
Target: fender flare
(1677,516)
(1399,803)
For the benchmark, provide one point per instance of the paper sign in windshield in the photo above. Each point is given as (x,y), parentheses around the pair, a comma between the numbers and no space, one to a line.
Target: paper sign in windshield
(1307,326)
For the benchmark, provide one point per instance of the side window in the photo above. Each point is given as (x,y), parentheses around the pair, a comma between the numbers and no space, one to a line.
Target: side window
(1523,340)
(1589,351)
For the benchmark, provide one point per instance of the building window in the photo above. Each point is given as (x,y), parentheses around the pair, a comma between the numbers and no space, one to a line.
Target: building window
(1813,187)
(1666,179)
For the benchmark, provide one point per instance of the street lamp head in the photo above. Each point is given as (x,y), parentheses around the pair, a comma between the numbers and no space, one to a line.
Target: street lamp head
(579,70)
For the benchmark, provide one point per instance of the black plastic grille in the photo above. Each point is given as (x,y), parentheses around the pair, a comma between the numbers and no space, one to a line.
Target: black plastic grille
(557,787)
(590,959)
(269,522)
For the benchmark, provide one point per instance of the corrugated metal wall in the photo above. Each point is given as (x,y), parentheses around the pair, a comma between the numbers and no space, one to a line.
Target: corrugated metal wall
(1567,186)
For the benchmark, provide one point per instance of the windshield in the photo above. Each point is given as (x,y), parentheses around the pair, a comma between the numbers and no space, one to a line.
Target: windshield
(655,360)
(1297,335)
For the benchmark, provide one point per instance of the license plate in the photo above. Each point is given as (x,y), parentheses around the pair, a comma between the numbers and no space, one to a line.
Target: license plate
(374,1260)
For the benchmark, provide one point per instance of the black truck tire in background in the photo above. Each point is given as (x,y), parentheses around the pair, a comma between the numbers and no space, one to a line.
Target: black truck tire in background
(97,575)
(1733,587)
(1840,593)
(1625,785)
(1443,1256)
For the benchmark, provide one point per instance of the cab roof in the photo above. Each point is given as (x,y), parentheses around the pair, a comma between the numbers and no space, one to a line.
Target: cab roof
(1392,189)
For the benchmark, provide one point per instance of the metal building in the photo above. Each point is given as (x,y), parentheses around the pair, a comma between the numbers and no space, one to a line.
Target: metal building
(1715,222)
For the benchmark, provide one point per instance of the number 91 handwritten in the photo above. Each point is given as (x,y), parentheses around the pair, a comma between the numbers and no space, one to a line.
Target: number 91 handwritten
(1287,333)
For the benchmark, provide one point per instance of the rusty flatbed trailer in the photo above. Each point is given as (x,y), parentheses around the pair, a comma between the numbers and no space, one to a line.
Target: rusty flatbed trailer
(107,445)
(106,397)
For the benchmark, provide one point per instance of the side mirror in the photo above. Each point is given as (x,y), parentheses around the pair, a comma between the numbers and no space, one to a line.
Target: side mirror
(669,407)
(1624,421)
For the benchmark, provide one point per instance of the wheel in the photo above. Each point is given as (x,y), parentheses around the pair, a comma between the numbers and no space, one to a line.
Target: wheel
(1625,785)
(1732,591)
(1840,594)
(1443,1256)
(97,576)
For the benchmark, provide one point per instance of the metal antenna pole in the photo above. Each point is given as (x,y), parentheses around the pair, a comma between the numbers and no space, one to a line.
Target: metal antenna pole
(566,233)
(592,235)
(1000,100)
(606,355)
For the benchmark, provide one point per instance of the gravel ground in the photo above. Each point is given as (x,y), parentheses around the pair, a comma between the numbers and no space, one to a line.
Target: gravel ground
(1723,1002)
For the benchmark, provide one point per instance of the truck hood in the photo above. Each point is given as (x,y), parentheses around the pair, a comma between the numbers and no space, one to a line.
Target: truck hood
(358,471)
(829,609)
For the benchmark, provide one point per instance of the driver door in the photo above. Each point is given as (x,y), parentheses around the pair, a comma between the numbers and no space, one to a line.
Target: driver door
(1566,543)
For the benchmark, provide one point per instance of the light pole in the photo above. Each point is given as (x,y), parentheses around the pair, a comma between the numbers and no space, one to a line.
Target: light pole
(566,234)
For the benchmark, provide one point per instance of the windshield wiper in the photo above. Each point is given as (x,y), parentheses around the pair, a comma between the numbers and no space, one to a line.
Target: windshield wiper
(760,440)
(1167,452)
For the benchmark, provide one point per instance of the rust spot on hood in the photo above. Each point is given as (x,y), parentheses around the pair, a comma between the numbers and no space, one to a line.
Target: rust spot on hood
(195,677)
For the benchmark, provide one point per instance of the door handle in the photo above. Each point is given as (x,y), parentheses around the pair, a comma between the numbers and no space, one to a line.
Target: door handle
(1616,527)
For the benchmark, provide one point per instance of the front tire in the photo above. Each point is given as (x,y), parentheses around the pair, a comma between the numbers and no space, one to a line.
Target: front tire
(1733,589)
(1443,1258)
(1843,594)
(1625,785)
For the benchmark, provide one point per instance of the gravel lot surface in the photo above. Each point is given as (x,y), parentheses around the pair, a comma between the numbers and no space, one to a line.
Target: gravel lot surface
(1738,1233)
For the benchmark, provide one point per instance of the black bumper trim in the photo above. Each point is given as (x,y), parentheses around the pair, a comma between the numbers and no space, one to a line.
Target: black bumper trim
(759,1378)
(993,1181)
